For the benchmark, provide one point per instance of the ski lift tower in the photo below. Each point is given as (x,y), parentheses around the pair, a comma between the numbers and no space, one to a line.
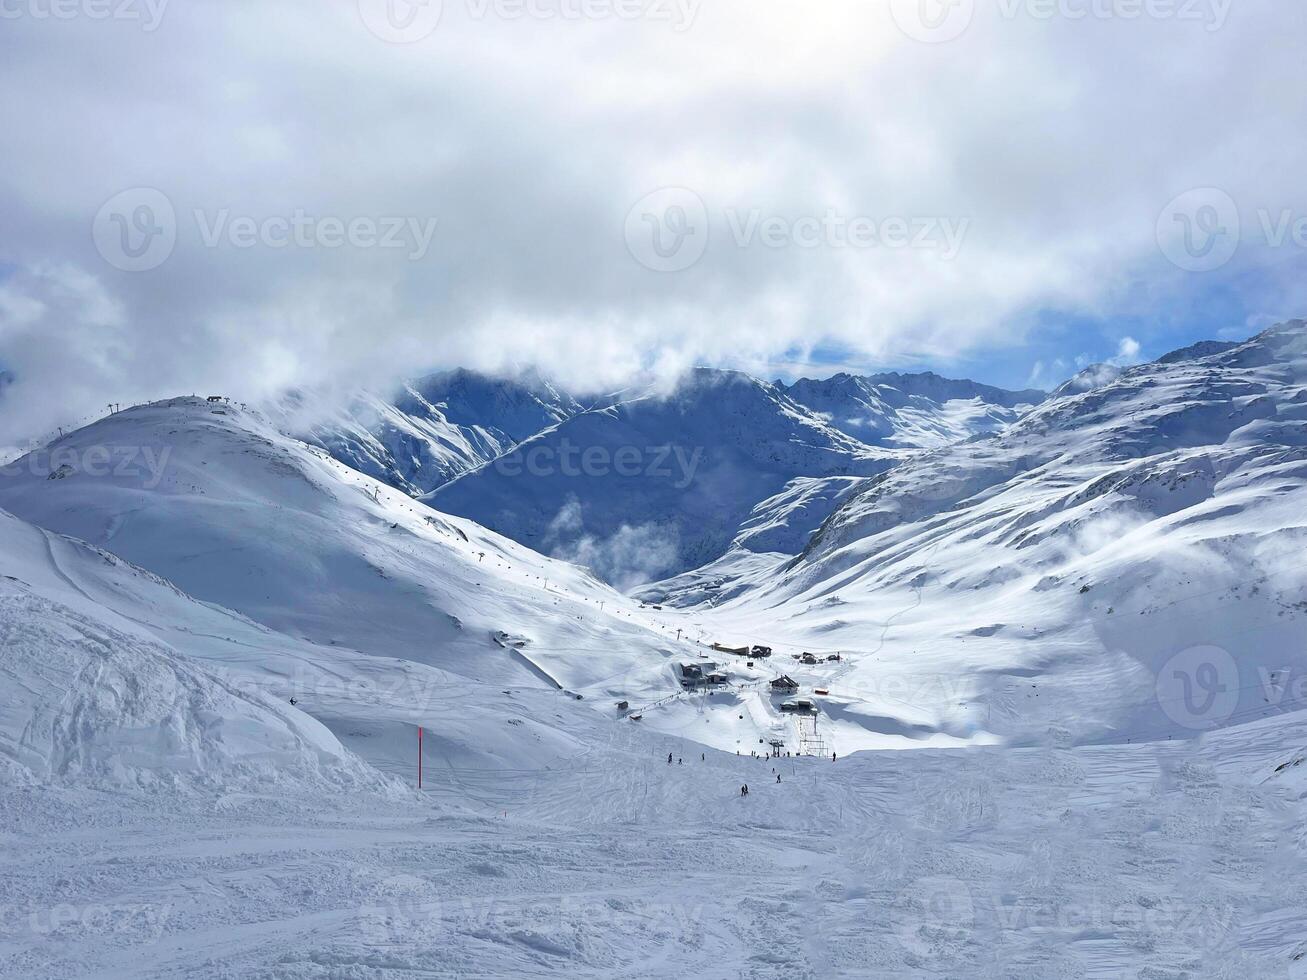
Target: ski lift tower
(810,739)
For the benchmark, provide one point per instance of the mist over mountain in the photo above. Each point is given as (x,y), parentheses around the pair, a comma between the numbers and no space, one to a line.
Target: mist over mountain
(696,460)
(431,430)
(918,411)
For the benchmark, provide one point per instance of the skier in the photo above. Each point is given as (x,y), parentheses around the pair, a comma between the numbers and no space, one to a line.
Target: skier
(680,762)
(669,758)
(832,757)
(744,790)
(778,777)
(703,757)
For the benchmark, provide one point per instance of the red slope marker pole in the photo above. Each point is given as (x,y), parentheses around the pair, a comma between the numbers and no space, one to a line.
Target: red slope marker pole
(419,756)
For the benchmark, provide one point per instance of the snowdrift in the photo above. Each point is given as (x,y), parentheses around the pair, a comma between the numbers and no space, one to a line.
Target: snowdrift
(85,703)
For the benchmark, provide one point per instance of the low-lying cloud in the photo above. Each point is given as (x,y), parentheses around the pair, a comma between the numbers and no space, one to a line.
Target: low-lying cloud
(629,557)
(568,191)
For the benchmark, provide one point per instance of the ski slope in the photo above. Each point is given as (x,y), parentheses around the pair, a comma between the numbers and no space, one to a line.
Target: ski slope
(1145,860)
(319,583)
(244,517)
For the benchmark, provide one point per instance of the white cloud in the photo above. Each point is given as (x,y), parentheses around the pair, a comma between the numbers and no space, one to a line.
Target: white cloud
(529,141)
(629,557)
(1127,352)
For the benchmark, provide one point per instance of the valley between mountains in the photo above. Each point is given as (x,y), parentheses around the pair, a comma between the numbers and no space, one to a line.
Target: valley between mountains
(1015,679)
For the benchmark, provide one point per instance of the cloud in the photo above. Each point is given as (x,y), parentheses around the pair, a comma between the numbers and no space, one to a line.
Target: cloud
(529,142)
(1047,375)
(629,557)
(1127,353)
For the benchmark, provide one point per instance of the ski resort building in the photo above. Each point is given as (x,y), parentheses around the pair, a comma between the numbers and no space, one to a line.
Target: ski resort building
(705,672)
(799,706)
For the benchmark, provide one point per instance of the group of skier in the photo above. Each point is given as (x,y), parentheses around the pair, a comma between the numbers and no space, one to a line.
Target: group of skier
(703,757)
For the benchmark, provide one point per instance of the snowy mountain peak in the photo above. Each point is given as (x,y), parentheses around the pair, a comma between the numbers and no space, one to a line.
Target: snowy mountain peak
(916,411)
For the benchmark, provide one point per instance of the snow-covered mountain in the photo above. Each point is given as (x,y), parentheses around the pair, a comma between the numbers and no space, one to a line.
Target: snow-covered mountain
(1056,570)
(660,482)
(1092,573)
(218,502)
(914,411)
(447,425)
(433,429)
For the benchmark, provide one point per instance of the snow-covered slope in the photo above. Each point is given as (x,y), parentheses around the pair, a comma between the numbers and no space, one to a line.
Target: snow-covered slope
(920,411)
(90,694)
(433,429)
(777,529)
(235,513)
(1094,568)
(380,612)
(657,484)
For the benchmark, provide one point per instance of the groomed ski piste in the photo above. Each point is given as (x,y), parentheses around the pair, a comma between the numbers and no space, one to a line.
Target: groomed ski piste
(167,811)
